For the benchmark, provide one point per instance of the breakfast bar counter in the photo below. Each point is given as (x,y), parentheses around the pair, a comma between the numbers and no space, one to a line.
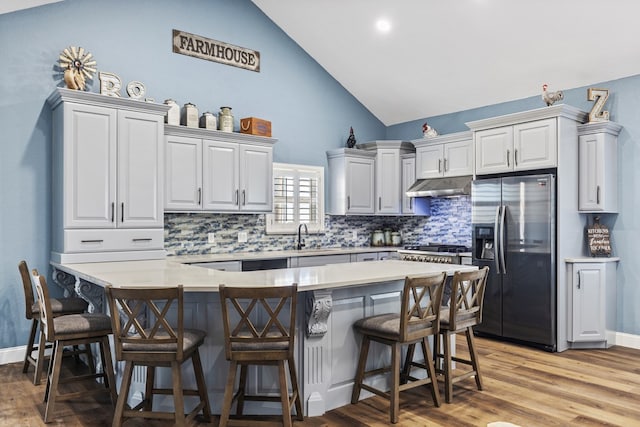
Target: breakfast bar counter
(330,299)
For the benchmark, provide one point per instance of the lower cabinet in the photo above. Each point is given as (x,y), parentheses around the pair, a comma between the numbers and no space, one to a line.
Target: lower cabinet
(592,302)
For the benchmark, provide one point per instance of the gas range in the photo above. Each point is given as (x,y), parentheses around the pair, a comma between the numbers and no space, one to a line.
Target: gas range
(434,252)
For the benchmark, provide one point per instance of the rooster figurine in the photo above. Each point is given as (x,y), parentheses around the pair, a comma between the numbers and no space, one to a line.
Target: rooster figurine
(550,97)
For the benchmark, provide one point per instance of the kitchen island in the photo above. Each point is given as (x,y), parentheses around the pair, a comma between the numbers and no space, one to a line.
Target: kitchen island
(330,299)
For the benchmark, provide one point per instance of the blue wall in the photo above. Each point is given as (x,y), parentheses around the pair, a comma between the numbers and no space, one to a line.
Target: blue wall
(309,110)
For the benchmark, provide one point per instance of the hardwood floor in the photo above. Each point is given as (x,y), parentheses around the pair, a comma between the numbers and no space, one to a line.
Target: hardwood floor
(523,386)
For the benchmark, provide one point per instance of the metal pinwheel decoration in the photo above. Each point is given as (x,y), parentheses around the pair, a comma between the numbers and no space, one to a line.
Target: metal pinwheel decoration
(78,66)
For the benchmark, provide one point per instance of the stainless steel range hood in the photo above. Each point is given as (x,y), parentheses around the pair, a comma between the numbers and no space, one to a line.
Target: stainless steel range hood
(441,187)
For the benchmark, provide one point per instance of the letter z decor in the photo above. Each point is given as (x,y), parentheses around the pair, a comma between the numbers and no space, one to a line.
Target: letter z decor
(216,51)
(600,96)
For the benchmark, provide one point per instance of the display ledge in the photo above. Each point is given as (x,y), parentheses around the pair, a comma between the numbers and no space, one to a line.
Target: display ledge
(592,259)
(163,273)
(258,255)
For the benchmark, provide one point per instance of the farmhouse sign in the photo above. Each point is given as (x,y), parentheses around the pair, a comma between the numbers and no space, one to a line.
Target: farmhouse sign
(598,239)
(213,50)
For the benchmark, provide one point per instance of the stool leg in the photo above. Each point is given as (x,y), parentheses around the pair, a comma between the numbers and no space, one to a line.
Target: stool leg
(124,394)
(107,368)
(428,360)
(448,383)
(148,388)
(241,389)
(394,393)
(362,361)
(294,386)
(178,398)
(28,353)
(228,394)
(56,363)
(42,345)
(474,356)
(284,395)
(202,387)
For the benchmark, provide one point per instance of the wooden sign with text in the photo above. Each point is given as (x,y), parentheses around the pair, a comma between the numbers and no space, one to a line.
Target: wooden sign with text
(598,239)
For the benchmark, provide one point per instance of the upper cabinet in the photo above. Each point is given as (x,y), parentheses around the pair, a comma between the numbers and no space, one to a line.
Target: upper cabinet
(388,174)
(351,181)
(444,156)
(522,141)
(598,165)
(107,177)
(217,171)
(408,178)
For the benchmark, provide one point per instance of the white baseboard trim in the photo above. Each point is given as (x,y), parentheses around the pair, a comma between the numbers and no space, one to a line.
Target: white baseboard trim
(627,340)
(12,354)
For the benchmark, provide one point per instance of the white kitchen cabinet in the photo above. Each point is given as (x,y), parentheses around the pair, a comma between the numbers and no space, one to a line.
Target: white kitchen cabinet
(598,167)
(218,171)
(351,181)
(592,300)
(444,156)
(107,177)
(523,146)
(408,178)
(388,174)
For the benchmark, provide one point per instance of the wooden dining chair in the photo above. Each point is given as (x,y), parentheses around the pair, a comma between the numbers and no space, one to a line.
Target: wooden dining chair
(73,330)
(143,336)
(259,328)
(417,320)
(463,313)
(59,307)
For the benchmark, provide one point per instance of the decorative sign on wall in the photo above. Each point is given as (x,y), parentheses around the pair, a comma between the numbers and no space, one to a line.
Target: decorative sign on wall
(598,239)
(600,96)
(216,51)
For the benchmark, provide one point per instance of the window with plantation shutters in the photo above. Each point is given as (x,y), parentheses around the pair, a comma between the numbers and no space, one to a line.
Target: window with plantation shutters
(298,198)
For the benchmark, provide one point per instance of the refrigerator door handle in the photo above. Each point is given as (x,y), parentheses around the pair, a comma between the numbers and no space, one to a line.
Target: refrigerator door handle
(502,238)
(496,240)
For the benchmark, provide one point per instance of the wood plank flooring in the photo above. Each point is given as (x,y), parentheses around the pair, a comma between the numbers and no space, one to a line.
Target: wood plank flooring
(523,386)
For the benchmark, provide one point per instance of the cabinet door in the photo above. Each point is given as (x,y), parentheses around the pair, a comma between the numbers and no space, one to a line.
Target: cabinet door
(598,183)
(388,199)
(429,161)
(256,178)
(494,150)
(458,158)
(588,294)
(90,135)
(408,178)
(360,186)
(140,164)
(535,145)
(221,186)
(183,173)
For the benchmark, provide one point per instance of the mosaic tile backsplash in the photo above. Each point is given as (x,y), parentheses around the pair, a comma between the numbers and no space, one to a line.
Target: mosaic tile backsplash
(186,233)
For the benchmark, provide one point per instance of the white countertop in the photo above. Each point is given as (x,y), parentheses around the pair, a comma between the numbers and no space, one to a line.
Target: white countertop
(591,259)
(239,256)
(164,273)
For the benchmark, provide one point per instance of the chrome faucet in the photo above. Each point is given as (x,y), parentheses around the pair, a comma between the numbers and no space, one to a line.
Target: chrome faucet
(300,244)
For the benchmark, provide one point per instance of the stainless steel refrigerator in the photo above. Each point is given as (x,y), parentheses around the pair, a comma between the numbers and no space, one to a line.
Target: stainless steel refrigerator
(514,231)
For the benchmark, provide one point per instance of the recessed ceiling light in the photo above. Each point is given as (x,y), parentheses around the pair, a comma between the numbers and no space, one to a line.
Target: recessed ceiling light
(383,25)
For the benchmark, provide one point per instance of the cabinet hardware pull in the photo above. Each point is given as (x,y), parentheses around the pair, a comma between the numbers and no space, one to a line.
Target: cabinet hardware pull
(244,197)
(113,207)
(515,157)
(92,241)
(411,203)
(445,165)
(199,196)
(148,239)
(508,163)
(348,202)
(439,165)
(379,203)
(237,197)
(122,215)
(598,195)
(579,274)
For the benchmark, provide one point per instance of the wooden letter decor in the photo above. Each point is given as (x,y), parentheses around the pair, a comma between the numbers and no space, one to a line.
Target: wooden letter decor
(216,51)
(600,96)
(598,239)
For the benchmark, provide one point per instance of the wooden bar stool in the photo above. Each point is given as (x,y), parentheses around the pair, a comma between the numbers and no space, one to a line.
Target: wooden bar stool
(59,307)
(143,336)
(73,330)
(259,326)
(418,319)
(464,312)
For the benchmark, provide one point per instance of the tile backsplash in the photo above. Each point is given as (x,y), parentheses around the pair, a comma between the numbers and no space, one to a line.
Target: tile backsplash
(187,233)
